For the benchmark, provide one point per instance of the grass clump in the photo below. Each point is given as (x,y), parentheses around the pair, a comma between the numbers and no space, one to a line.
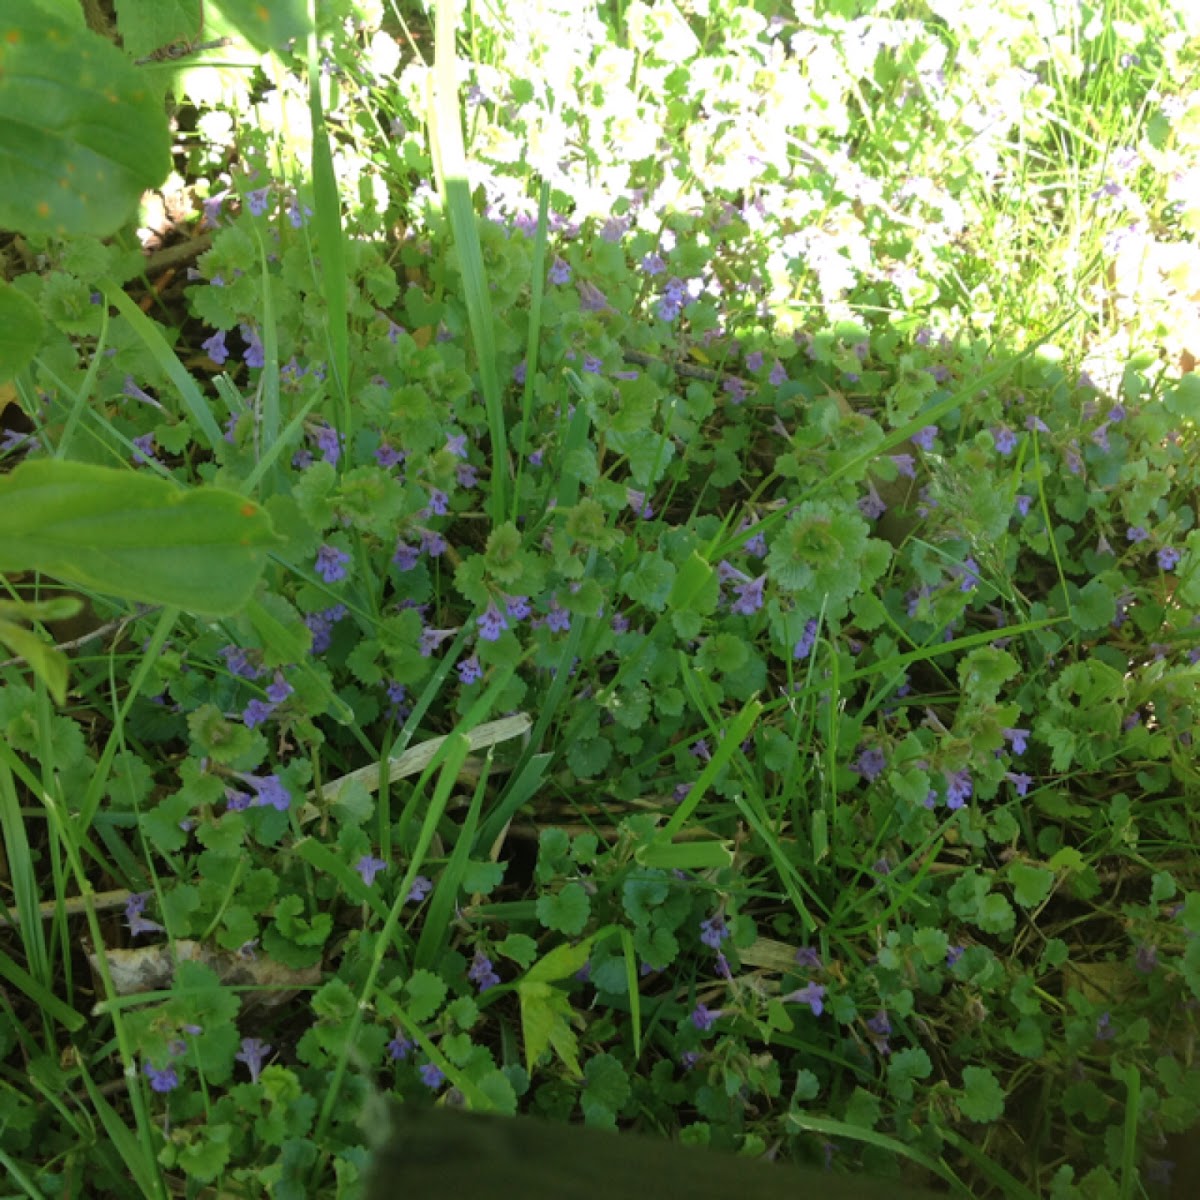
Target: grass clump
(727,666)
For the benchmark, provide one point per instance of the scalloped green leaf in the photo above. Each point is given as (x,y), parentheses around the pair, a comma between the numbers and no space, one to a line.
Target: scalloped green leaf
(82,133)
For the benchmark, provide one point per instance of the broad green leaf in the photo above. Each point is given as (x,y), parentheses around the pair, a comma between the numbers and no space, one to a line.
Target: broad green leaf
(982,1098)
(133,535)
(545,1017)
(561,963)
(264,26)
(567,910)
(21,329)
(1031,885)
(149,25)
(82,134)
(684,856)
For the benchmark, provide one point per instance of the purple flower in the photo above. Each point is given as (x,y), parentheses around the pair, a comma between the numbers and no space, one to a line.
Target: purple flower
(807,956)
(143,448)
(400,1047)
(614,229)
(387,456)
(871,763)
(214,347)
(953,954)
(925,437)
(329,443)
(560,272)
(1145,958)
(253,1052)
(405,556)
(134,907)
(257,200)
(279,689)
(421,888)
(749,596)
(958,789)
(714,931)
(653,264)
(778,375)
(1168,558)
(519,373)
(492,623)
(432,638)
(1104,1030)
(433,543)
(1005,439)
(331,564)
(255,355)
(558,619)
(879,1024)
(871,505)
(969,572)
(481,972)
(1136,533)
(807,640)
(236,801)
(1018,739)
(269,792)
(1022,505)
(905,464)
(165,1080)
(754,360)
(256,713)
(517,607)
(212,210)
(591,298)
(1019,780)
(431,1076)
(368,867)
(238,663)
(704,1018)
(439,502)
(296,215)
(812,994)
(469,670)
(321,625)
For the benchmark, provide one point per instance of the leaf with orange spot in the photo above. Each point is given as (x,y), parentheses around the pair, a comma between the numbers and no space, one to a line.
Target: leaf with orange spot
(96,126)
(131,534)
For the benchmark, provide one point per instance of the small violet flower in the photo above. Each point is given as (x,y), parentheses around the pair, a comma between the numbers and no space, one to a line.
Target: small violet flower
(214,347)
(165,1080)
(714,931)
(812,994)
(331,564)
(492,623)
(481,972)
(431,1076)
(368,867)
(134,907)
(253,1052)
(255,355)
(958,789)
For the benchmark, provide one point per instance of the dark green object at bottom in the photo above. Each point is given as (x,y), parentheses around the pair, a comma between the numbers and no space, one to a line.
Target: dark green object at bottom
(443,1152)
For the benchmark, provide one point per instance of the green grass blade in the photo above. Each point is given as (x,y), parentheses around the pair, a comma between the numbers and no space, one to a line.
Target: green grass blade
(327,222)
(194,400)
(450,166)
